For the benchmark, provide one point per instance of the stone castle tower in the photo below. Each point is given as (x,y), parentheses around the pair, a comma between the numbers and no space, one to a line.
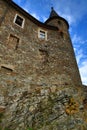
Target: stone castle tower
(40,83)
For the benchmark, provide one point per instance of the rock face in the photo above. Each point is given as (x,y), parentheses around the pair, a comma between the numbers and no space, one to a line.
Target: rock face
(45,108)
(40,85)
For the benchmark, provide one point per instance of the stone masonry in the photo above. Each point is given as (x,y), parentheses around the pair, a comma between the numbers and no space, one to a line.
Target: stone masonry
(40,85)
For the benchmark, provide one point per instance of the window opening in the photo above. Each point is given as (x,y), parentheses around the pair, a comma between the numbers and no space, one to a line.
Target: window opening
(19,20)
(42,34)
(43,55)
(62,34)
(13,42)
(59,22)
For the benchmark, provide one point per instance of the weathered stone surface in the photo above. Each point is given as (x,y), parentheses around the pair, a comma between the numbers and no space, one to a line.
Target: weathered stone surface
(40,86)
(44,111)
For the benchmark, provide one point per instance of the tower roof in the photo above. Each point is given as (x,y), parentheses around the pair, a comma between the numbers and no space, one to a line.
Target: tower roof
(53,13)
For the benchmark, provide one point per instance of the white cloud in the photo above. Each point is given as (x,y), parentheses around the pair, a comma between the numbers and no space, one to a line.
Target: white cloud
(68,17)
(76,39)
(82,64)
(79,40)
(35,16)
(44,18)
(71,10)
(83,72)
(26,9)
(79,56)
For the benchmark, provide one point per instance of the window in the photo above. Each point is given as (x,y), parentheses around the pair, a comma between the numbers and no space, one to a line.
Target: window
(19,20)
(62,34)
(43,55)
(13,42)
(59,22)
(42,34)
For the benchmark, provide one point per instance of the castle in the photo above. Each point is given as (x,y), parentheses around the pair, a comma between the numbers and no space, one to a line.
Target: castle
(40,83)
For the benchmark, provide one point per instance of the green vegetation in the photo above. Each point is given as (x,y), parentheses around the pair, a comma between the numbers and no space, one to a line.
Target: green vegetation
(29,129)
(4,129)
(9,129)
(1,115)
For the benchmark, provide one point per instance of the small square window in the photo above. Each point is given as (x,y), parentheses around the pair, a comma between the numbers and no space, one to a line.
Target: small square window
(19,20)
(42,34)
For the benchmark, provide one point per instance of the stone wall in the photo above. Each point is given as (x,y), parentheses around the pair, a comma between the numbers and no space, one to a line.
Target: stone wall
(39,79)
(44,108)
(61,58)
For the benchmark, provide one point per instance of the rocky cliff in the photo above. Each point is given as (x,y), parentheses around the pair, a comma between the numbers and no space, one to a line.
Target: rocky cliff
(43,107)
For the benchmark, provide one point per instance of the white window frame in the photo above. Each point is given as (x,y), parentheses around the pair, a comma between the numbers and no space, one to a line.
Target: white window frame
(43,33)
(22,22)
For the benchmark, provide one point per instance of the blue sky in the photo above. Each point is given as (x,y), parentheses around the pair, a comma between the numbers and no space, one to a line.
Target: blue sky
(75,12)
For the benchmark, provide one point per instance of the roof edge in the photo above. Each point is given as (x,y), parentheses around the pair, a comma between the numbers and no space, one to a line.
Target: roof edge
(30,17)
